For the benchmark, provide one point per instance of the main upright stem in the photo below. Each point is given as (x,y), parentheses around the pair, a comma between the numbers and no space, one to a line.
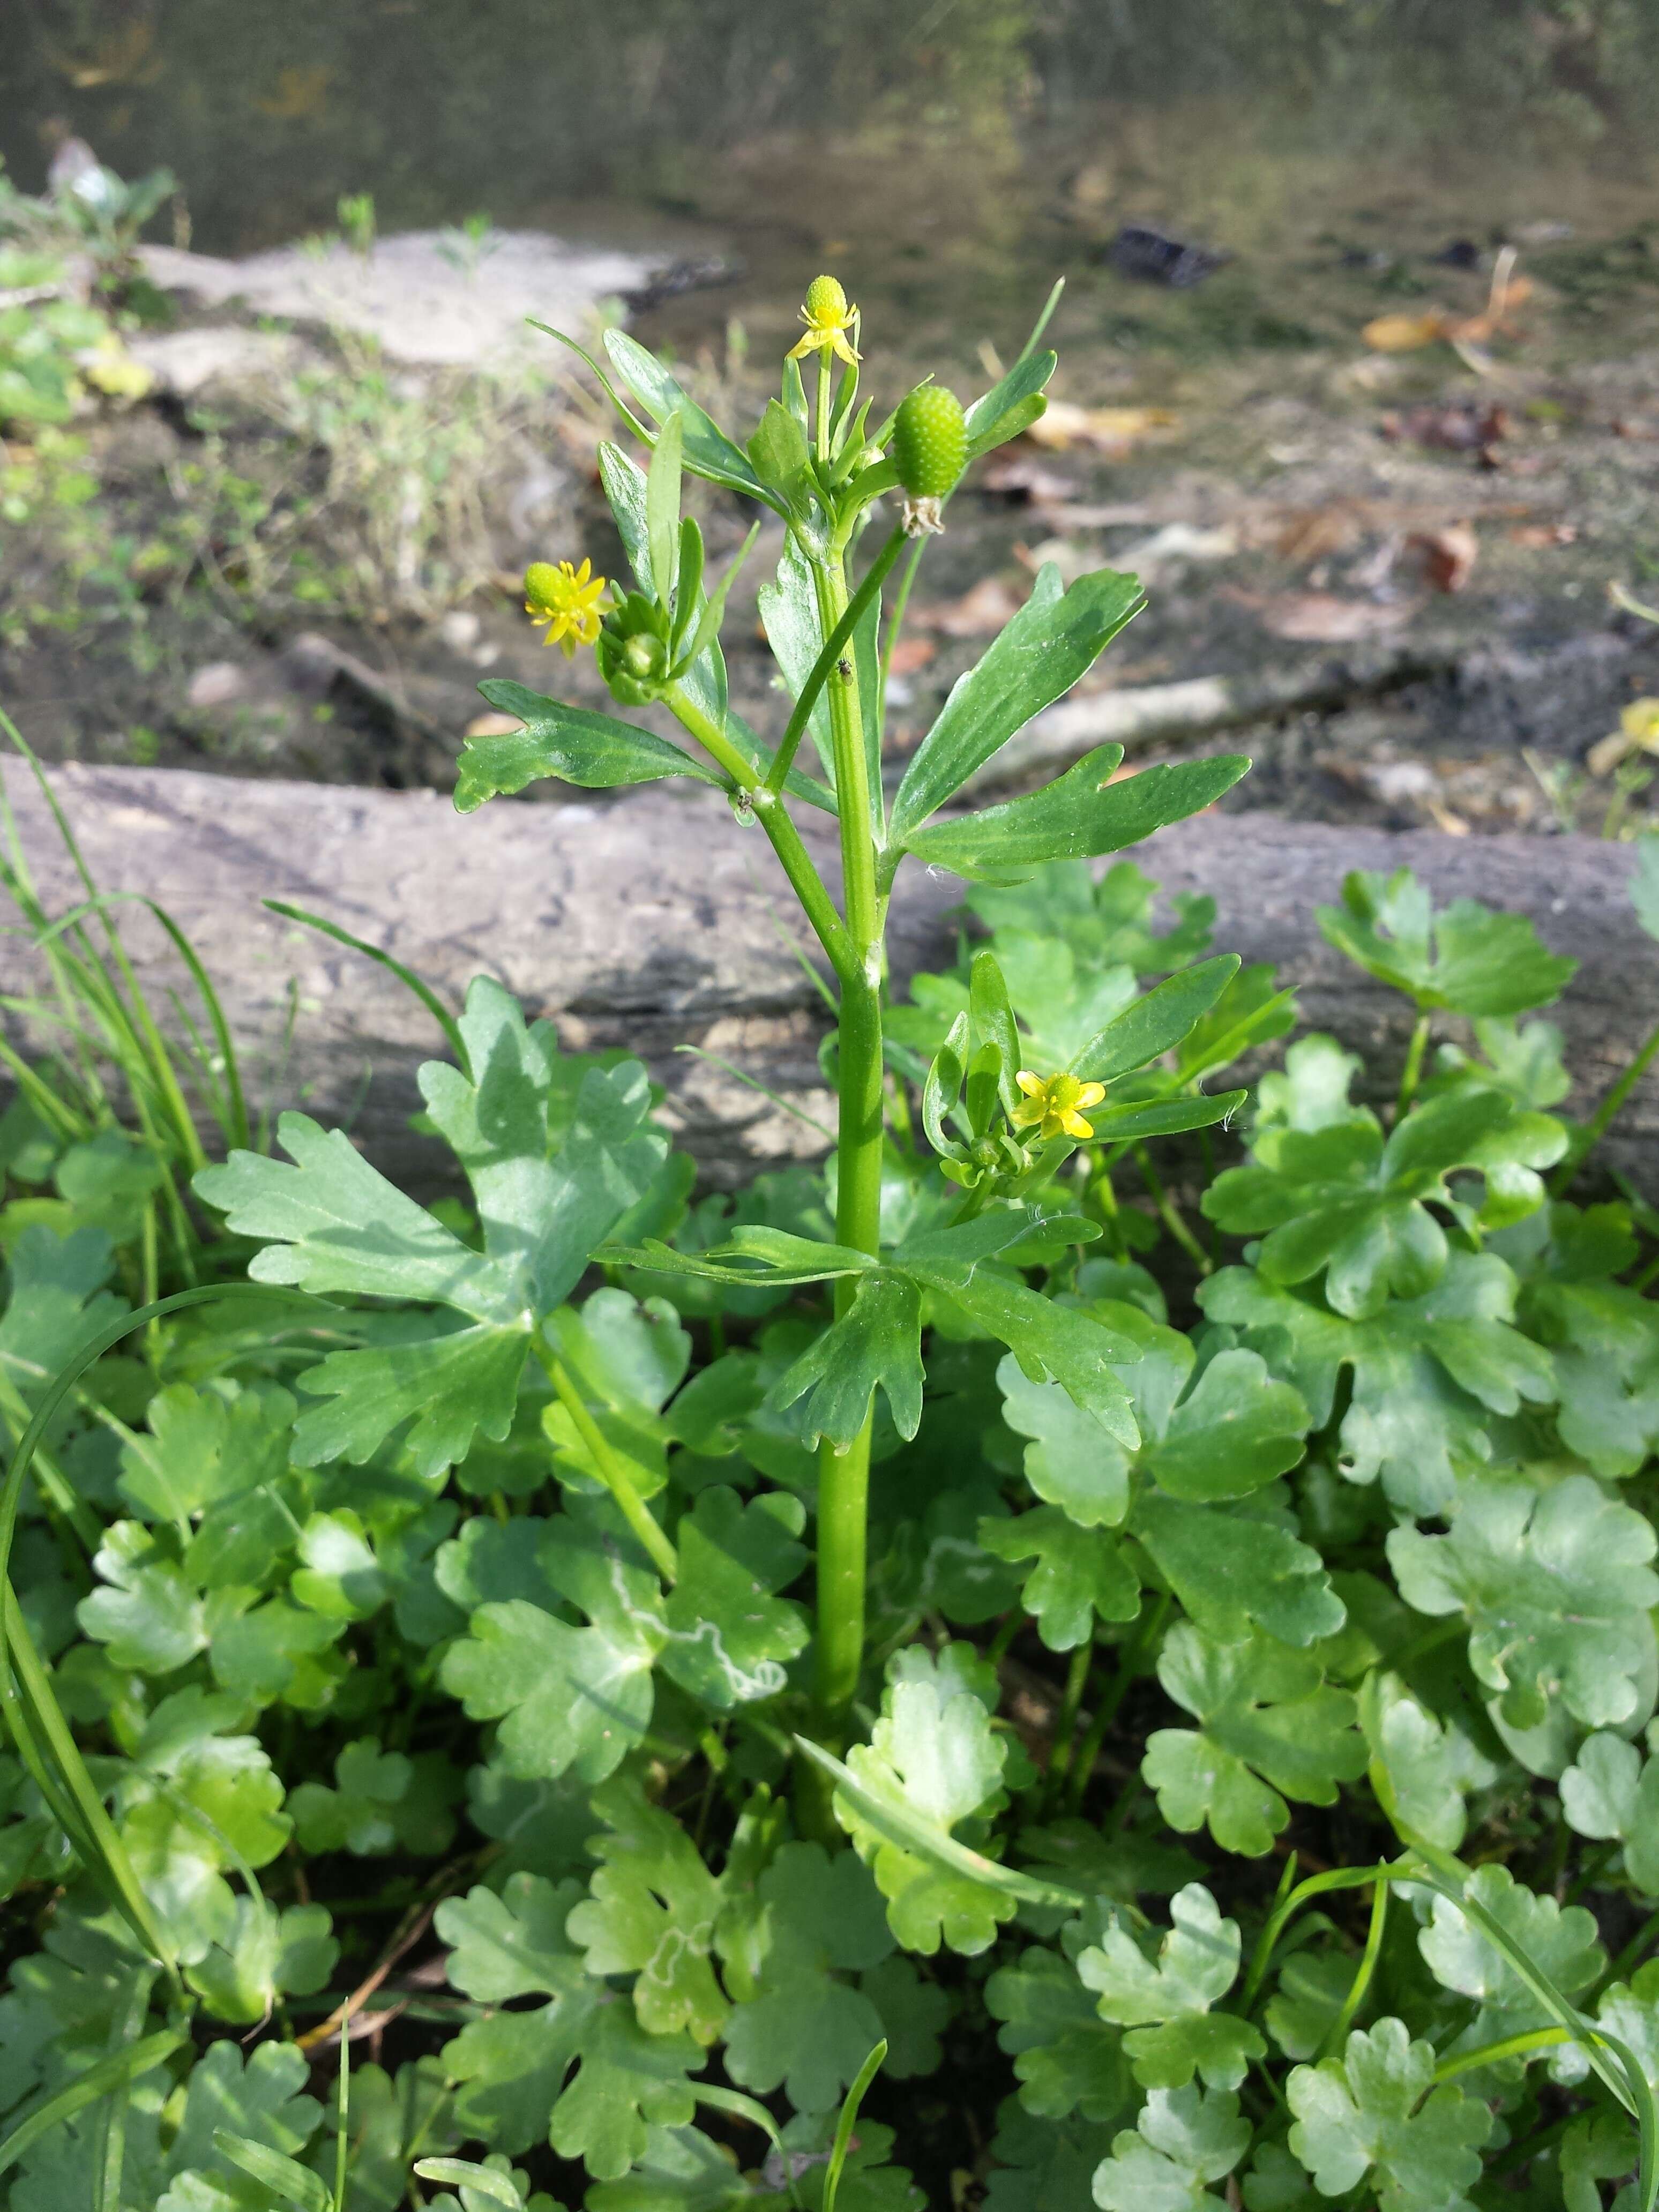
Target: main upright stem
(844,1475)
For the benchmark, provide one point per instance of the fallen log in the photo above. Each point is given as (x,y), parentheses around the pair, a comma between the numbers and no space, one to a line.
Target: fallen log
(1204,706)
(653,921)
(1200,706)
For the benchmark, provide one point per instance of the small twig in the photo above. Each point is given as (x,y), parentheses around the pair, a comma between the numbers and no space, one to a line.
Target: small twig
(410,1930)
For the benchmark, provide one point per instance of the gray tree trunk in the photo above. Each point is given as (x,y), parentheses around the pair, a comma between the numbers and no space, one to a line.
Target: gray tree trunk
(654,921)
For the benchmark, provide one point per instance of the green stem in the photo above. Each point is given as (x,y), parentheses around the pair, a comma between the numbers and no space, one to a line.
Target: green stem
(1594,1130)
(609,1468)
(1491,2054)
(1170,1214)
(1012,1622)
(844,1474)
(1316,1885)
(1592,1871)
(897,623)
(1632,1955)
(1071,1704)
(824,407)
(1362,1980)
(784,759)
(1128,1798)
(1531,2147)
(1127,1667)
(1413,1068)
(1106,1198)
(782,833)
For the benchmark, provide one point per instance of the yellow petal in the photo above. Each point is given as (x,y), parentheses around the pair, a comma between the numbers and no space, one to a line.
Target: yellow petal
(1607,753)
(1032,1085)
(1090,1095)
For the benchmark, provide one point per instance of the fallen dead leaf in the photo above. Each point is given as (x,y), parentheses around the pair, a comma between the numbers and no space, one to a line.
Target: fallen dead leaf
(1463,427)
(1072,556)
(1107,429)
(1175,542)
(1406,333)
(1022,478)
(1324,618)
(1096,514)
(1372,372)
(1447,555)
(911,653)
(1307,534)
(1399,333)
(979,613)
(1541,534)
(492,726)
(1395,782)
(1507,293)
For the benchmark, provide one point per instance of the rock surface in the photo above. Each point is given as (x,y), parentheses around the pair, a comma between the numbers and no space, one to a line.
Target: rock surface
(421,295)
(187,364)
(655,922)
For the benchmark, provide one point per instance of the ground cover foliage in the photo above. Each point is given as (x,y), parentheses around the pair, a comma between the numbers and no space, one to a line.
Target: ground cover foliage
(1113,1623)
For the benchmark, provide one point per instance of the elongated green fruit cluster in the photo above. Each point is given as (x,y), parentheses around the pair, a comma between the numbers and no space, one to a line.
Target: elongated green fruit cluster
(930,441)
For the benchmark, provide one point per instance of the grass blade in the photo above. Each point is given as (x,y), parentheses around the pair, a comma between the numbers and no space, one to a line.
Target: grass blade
(1616,2065)
(110,2154)
(87,2089)
(750,2109)
(481,2180)
(44,1738)
(895,1824)
(849,2113)
(285,2177)
(428,997)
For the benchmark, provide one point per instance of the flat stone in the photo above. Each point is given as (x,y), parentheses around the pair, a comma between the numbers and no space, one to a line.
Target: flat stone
(188,363)
(420,306)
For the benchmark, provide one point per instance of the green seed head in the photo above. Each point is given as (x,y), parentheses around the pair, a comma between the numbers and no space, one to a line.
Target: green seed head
(930,441)
(826,302)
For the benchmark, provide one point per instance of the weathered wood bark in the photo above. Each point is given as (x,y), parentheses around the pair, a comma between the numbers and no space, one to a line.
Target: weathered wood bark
(655,922)
(1488,676)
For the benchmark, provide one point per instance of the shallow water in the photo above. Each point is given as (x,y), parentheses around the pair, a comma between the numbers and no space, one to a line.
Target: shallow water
(950,154)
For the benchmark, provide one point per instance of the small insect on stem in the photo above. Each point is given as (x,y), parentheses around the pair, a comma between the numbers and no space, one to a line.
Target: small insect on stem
(844,669)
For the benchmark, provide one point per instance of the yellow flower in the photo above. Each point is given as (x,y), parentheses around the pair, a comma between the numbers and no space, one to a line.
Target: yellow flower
(828,318)
(113,370)
(1637,732)
(1054,1103)
(565,599)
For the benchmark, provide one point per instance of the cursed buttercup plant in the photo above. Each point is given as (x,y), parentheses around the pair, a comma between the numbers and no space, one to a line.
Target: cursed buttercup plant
(819,464)
(670,1670)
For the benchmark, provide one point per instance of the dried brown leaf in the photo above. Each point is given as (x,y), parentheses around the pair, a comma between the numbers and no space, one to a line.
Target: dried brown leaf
(979,612)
